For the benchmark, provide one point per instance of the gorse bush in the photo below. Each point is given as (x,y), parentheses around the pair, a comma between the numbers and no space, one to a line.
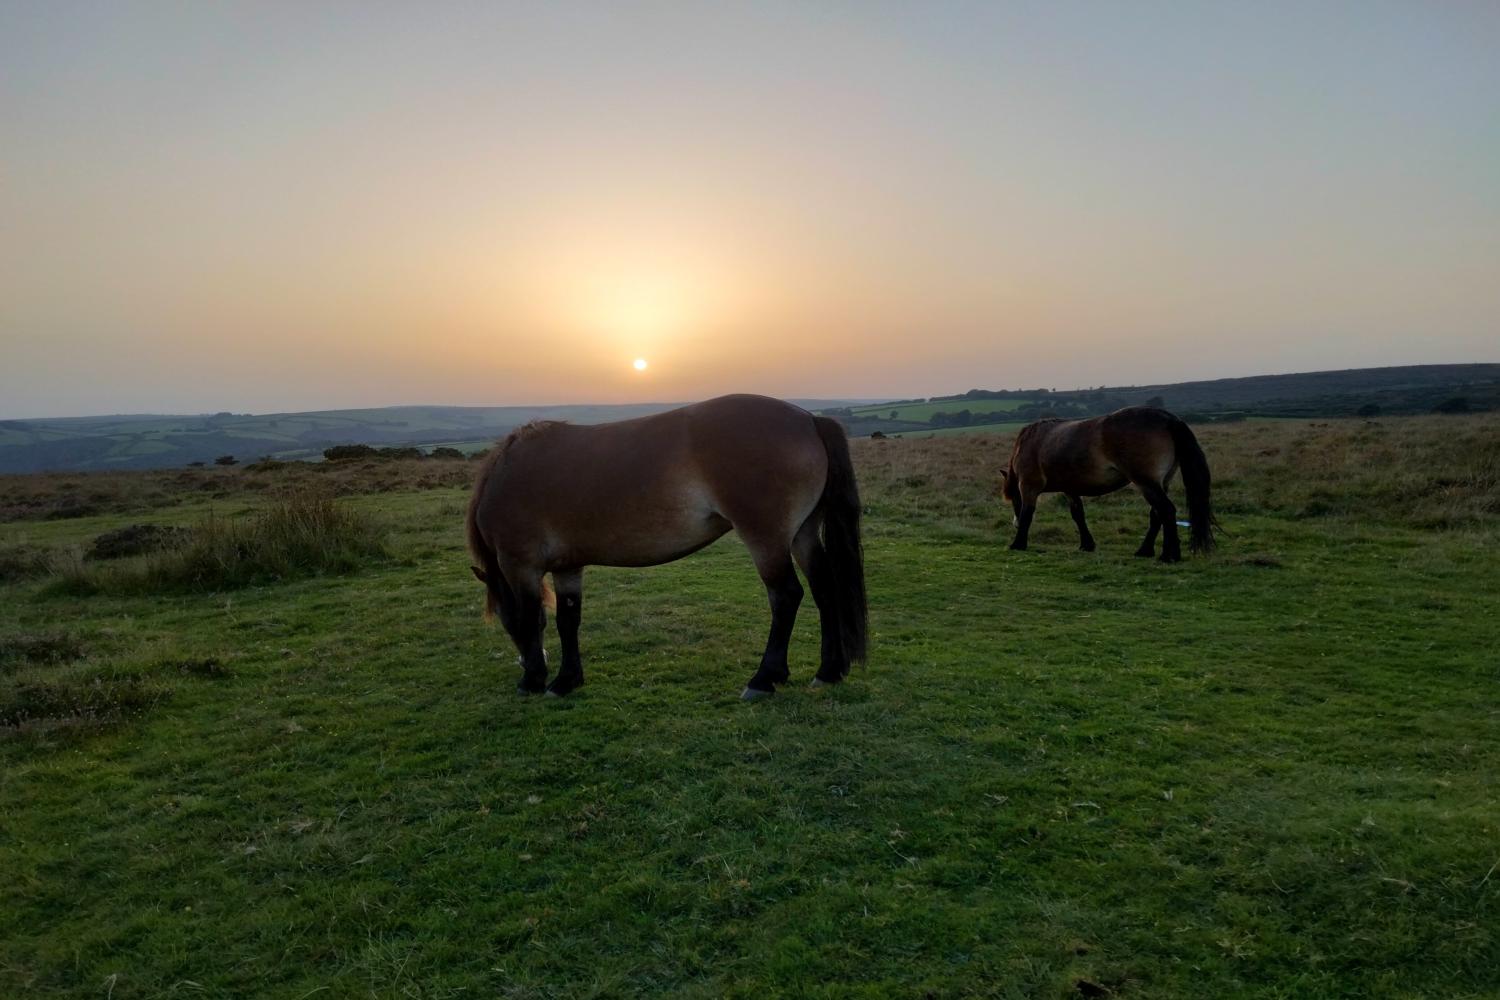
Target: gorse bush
(299,535)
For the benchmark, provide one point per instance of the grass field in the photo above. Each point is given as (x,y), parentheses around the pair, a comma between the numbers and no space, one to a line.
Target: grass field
(1007,429)
(922,412)
(1265,773)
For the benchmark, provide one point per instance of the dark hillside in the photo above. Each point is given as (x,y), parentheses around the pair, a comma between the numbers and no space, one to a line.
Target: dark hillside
(1363,392)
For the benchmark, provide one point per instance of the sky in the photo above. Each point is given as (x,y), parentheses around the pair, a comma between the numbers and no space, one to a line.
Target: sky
(282,206)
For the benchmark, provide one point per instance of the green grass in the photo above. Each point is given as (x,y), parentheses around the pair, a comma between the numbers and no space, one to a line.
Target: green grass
(922,412)
(1269,773)
(1007,429)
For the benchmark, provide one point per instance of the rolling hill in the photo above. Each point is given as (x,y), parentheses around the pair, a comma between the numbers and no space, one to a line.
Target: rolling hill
(156,440)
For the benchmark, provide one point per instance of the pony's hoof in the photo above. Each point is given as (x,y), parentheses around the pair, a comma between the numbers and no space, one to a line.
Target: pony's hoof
(817,684)
(754,694)
(552,694)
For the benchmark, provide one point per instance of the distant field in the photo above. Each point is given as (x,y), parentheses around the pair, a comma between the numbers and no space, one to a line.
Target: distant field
(1265,773)
(922,412)
(1007,429)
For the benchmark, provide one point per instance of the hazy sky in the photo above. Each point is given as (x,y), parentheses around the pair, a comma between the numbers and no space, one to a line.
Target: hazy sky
(287,205)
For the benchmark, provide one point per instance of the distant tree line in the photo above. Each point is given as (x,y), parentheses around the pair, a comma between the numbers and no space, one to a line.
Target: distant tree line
(364,452)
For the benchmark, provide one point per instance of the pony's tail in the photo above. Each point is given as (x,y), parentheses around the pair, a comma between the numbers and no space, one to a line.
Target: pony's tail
(846,557)
(1195,481)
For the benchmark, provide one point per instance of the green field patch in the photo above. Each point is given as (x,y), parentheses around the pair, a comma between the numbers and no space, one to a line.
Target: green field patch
(922,412)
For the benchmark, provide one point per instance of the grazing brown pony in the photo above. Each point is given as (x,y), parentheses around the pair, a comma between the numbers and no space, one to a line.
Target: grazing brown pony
(556,497)
(1140,445)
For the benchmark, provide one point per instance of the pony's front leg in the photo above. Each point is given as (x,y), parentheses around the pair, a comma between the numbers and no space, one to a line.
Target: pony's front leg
(1075,507)
(1023,522)
(526,631)
(569,587)
(785,593)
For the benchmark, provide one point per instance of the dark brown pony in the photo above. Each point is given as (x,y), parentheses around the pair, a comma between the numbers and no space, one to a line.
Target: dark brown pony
(556,497)
(1139,445)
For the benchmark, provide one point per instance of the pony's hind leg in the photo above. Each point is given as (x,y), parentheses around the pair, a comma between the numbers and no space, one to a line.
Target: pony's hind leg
(569,588)
(785,594)
(1164,512)
(1148,544)
(1075,507)
(808,550)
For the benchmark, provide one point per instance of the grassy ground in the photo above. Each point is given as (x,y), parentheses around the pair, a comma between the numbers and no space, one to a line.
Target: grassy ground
(1267,773)
(922,412)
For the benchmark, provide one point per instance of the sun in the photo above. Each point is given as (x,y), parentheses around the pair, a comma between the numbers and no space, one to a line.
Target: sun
(639,364)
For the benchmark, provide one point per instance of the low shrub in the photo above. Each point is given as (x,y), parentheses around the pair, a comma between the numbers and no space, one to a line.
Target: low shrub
(348,452)
(136,540)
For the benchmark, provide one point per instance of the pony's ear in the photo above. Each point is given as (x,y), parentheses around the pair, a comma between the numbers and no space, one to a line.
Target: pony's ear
(479,575)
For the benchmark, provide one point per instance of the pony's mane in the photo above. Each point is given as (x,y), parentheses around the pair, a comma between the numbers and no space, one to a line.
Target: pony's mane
(530,428)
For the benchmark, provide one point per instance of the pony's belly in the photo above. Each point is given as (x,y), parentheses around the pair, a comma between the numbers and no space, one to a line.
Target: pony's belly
(647,541)
(1103,484)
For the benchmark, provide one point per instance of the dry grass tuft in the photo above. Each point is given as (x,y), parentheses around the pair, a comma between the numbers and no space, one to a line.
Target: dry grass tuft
(301,534)
(24,562)
(39,647)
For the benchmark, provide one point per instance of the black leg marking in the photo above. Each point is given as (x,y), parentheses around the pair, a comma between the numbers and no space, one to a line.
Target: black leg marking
(1166,514)
(526,631)
(569,615)
(1023,523)
(785,594)
(1075,507)
(1148,544)
(813,558)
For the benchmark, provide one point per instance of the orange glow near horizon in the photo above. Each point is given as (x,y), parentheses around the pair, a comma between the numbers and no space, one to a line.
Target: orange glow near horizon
(492,207)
